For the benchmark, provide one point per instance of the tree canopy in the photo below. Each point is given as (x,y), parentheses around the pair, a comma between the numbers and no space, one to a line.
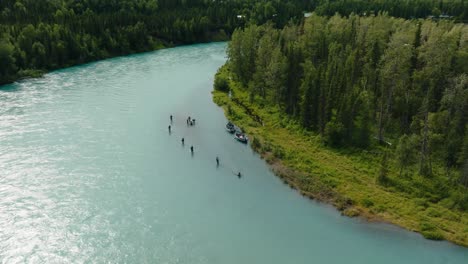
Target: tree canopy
(48,34)
(368,83)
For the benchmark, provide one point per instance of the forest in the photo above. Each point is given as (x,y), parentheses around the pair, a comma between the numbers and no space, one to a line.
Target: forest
(398,87)
(454,9)
(36,36)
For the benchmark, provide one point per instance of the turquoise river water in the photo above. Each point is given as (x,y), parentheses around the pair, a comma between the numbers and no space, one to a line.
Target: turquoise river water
(90,174)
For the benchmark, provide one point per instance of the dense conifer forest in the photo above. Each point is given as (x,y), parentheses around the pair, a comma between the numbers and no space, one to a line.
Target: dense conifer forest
(40,35)
(36,36)
(358,81)
(455,9)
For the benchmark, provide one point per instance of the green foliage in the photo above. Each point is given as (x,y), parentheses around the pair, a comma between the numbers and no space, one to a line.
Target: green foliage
(433,235)
(351,212)
(383,178)
(330,174)
(221,82)
(278,152)
(334,131)
(367,202)
(7,60)
(256,144)
(406,152)
(429,231)
(310,100)
(398,8)
(44,35)
(362,122)
(357,78)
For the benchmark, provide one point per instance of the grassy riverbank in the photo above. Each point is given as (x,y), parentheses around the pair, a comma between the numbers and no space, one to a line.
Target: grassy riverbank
(344,178)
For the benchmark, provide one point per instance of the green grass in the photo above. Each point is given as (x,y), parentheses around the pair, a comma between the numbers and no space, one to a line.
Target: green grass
(345,178)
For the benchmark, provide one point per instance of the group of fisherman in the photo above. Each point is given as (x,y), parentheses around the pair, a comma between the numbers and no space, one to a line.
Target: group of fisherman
(191,122)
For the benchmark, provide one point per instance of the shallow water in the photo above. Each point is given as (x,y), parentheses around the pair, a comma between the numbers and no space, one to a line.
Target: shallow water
(89,173)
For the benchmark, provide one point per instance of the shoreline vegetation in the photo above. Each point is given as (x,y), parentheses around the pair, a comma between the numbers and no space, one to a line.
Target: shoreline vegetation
(344,179)
(366,113)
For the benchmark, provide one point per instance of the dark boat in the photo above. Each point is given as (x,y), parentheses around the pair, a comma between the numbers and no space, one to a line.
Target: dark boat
(230,127)
(241,137)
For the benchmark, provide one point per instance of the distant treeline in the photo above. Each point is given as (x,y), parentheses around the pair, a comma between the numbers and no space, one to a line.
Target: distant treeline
(41,35)
(359,81)
(454,9)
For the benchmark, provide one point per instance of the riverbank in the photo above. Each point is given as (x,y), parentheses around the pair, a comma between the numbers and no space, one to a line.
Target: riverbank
(344,178)
(38,73)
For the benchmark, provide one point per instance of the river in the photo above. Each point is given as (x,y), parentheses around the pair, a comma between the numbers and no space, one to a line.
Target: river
(90,173)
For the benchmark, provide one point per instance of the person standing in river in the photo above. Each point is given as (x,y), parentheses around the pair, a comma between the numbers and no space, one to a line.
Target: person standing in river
(183,141)
(170,117)
(217,161)
(169,127)
(191,149)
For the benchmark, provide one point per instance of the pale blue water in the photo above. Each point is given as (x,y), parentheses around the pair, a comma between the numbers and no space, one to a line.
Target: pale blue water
(89,173)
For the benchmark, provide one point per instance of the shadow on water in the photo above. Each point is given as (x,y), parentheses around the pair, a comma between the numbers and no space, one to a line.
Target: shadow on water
(10,88)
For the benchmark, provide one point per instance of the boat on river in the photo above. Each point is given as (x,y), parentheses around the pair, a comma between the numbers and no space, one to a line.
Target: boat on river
(241,137)
(230,127)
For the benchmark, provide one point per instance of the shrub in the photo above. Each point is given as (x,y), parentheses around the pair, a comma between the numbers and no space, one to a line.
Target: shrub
(433,213)
(256,144)
(433,235)
(366,202)
(351,212)
(221,83)
(278,152)
(460,199)
(421,202)
(342,203)
(426,226)
(334,133)
(382,178)
(380,209)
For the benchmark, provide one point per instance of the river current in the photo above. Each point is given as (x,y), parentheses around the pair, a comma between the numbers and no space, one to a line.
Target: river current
(90,174)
